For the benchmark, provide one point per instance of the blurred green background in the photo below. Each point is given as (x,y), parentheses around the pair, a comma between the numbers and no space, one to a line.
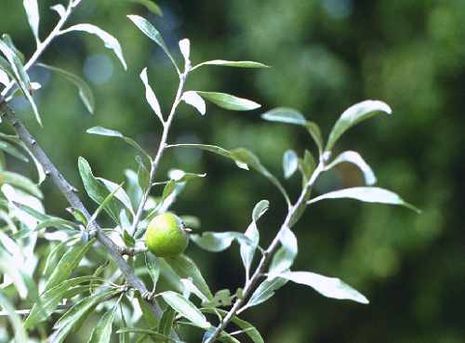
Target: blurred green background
(325,56)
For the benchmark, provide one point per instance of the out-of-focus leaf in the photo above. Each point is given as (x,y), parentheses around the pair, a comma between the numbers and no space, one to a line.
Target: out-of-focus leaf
(150,31)
(15,320)
(13,151)
(101,131)
(19,181)
(185,48)
(330,287)
(146,332)
(285,115)
(290,163)
(102,331)
(315,132)
(229,102)
(195,100)
(60,9)
(366,194)
(32,11)
(186,309)
(150,5)
(166,321)
(85,92)
(354,115)
(355,158)
(107,39)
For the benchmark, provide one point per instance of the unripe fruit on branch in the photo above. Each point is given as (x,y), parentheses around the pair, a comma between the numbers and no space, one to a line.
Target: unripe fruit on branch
(166,235)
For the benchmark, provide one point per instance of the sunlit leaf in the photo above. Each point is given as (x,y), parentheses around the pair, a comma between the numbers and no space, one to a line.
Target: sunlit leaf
(354,115)
(330,287)
(355,158)
(265,291)
(32,11)
(150,95)
(286,254)
(186,309)
(237,64)
(366,194)
(285,115)
(195,100)
(108,40)
(290,163)
(229,102)
(15,320)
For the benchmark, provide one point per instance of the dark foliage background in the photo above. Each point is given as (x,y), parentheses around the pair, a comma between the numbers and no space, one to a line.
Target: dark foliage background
(326,55)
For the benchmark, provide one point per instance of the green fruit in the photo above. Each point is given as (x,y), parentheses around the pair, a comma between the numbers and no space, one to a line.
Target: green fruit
(165,235)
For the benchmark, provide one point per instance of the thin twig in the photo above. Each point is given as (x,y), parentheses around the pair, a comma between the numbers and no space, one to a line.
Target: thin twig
(253,283)
(161,149)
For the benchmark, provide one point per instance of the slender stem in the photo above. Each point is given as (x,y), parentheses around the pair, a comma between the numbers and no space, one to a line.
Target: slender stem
(41,47)
(161,148)
(252,284)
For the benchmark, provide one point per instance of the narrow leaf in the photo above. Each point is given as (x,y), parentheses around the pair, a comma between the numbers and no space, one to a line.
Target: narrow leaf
(285,256)
(102,331)
(355,158)
(195,100)
(150,31)
(85,92)
(15,320)
(285,115)
(150,95)
(366,194)
(186,309)
(229,102)
(237,64)
(265,291)
(107,39)
(354,115)
(290,163)
(330,287)
(32,11)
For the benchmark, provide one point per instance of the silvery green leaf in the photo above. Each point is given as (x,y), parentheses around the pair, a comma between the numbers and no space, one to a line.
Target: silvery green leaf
(366,194)
(285,115)
(290,163)
(153,267)
(60,9)
(185,48)
(4,79)
(265,291)
(186,309)
(20,74)
(355,158)
(195,100)
(237,64)
(248,248)
(315,132)
(330,287)
(85,92)
(246,327)
(229,102)
(150,31)
(109,41)
(146,332)
(186,268)
(286,254)
(150,95)
(102,131)
(216,241)
(354,115)
(22,182)
(32,11)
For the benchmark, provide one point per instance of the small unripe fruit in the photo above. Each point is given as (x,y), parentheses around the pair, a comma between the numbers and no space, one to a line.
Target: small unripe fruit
(166,236)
